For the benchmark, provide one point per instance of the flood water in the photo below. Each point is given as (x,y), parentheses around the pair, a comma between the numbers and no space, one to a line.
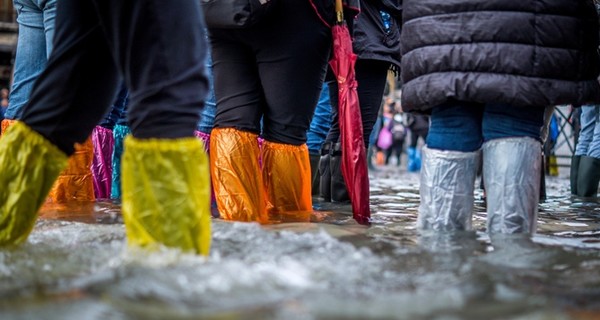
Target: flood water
(76,265)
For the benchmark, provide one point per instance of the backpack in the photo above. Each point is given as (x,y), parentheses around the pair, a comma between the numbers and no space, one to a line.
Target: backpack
(397,127)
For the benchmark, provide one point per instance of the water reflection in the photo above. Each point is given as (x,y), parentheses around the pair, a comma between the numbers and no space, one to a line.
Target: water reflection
(76,266)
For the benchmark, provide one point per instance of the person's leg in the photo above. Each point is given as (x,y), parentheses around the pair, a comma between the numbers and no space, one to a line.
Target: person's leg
(120,131)
(594,147)
(450,162)
(399,147)
(586,134)
(512,167)
(588,175)
(36,31)
(320,123)
(165,169)
(371,74)
(278,71)
(235,172)
(207,117)
(59,114)
(292,74)
(315,137)
(103,139)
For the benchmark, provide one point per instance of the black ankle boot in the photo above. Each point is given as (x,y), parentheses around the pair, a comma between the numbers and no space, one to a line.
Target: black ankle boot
(339,193)
(325,172)
(574,173)
(314,173)
(588,177)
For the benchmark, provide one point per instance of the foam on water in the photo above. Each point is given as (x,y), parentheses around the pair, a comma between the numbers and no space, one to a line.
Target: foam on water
(335,269)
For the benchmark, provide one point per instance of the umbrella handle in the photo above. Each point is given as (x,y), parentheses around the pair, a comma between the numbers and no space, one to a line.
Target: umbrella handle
(339,11)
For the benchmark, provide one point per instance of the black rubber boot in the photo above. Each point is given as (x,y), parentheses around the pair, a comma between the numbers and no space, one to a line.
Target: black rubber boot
(543,179)
(339,193)
(314,173)
(574,173)
(588,176)
(325,172)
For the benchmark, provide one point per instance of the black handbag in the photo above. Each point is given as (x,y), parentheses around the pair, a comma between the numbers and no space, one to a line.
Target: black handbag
(235,14)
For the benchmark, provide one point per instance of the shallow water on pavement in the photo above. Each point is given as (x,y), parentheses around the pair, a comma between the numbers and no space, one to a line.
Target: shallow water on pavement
(76,265)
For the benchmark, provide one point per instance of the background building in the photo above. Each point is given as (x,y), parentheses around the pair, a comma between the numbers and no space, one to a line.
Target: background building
(8,41)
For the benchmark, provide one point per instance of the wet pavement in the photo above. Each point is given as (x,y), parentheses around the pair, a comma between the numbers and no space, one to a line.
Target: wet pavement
(76,265)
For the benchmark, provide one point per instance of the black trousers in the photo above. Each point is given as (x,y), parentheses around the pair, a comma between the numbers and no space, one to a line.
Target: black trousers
(158,47)
(371,76)
(268,78)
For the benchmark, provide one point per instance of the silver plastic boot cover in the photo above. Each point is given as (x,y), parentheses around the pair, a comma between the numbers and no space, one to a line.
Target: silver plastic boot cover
(446,188)
(511,173)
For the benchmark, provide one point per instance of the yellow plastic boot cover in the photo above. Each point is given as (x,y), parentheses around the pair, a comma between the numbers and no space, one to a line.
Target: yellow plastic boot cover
(236,177)
(29,164)
(166,194)
(286,175)
(76,182)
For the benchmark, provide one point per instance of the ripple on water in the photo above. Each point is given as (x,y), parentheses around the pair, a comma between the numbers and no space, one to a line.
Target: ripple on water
(331,269)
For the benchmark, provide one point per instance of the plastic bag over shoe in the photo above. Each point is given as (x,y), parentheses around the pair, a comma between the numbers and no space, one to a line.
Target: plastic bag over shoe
(287,181)
(236,176)
(29,165)
(511,172)
(166,194)
(446,188)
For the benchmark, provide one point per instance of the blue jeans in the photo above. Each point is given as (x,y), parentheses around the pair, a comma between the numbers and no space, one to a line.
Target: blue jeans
(207,116)
(320,124)
(464,126)
(36,31)
(118,111)
(589,137)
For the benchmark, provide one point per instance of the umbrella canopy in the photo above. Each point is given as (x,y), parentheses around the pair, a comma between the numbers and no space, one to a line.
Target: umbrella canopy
(354,160)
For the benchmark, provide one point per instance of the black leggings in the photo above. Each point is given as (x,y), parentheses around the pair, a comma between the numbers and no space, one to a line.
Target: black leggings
(271,73)
(157,46)
(414,137)
(371,76)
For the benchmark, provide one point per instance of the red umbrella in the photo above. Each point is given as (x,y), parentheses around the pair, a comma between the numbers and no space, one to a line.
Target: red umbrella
(354,160)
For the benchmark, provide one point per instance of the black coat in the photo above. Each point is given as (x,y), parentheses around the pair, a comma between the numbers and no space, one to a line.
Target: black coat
(370,38)
(517,52)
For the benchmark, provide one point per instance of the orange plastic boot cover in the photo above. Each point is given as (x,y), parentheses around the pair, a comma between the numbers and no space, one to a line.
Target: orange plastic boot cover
(76,182)
(235,174)
(287,180)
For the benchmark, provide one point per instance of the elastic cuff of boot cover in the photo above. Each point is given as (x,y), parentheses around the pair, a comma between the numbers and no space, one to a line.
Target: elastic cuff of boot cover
(236,176)
(5,124)
(526,141)
(35,139)
(204,137)
(166,193)
(120,131)
(158,144)
(286,175)
(446,154)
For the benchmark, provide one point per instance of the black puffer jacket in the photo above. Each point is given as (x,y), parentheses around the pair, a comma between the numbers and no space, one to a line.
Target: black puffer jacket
(371,40)
(518,52)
